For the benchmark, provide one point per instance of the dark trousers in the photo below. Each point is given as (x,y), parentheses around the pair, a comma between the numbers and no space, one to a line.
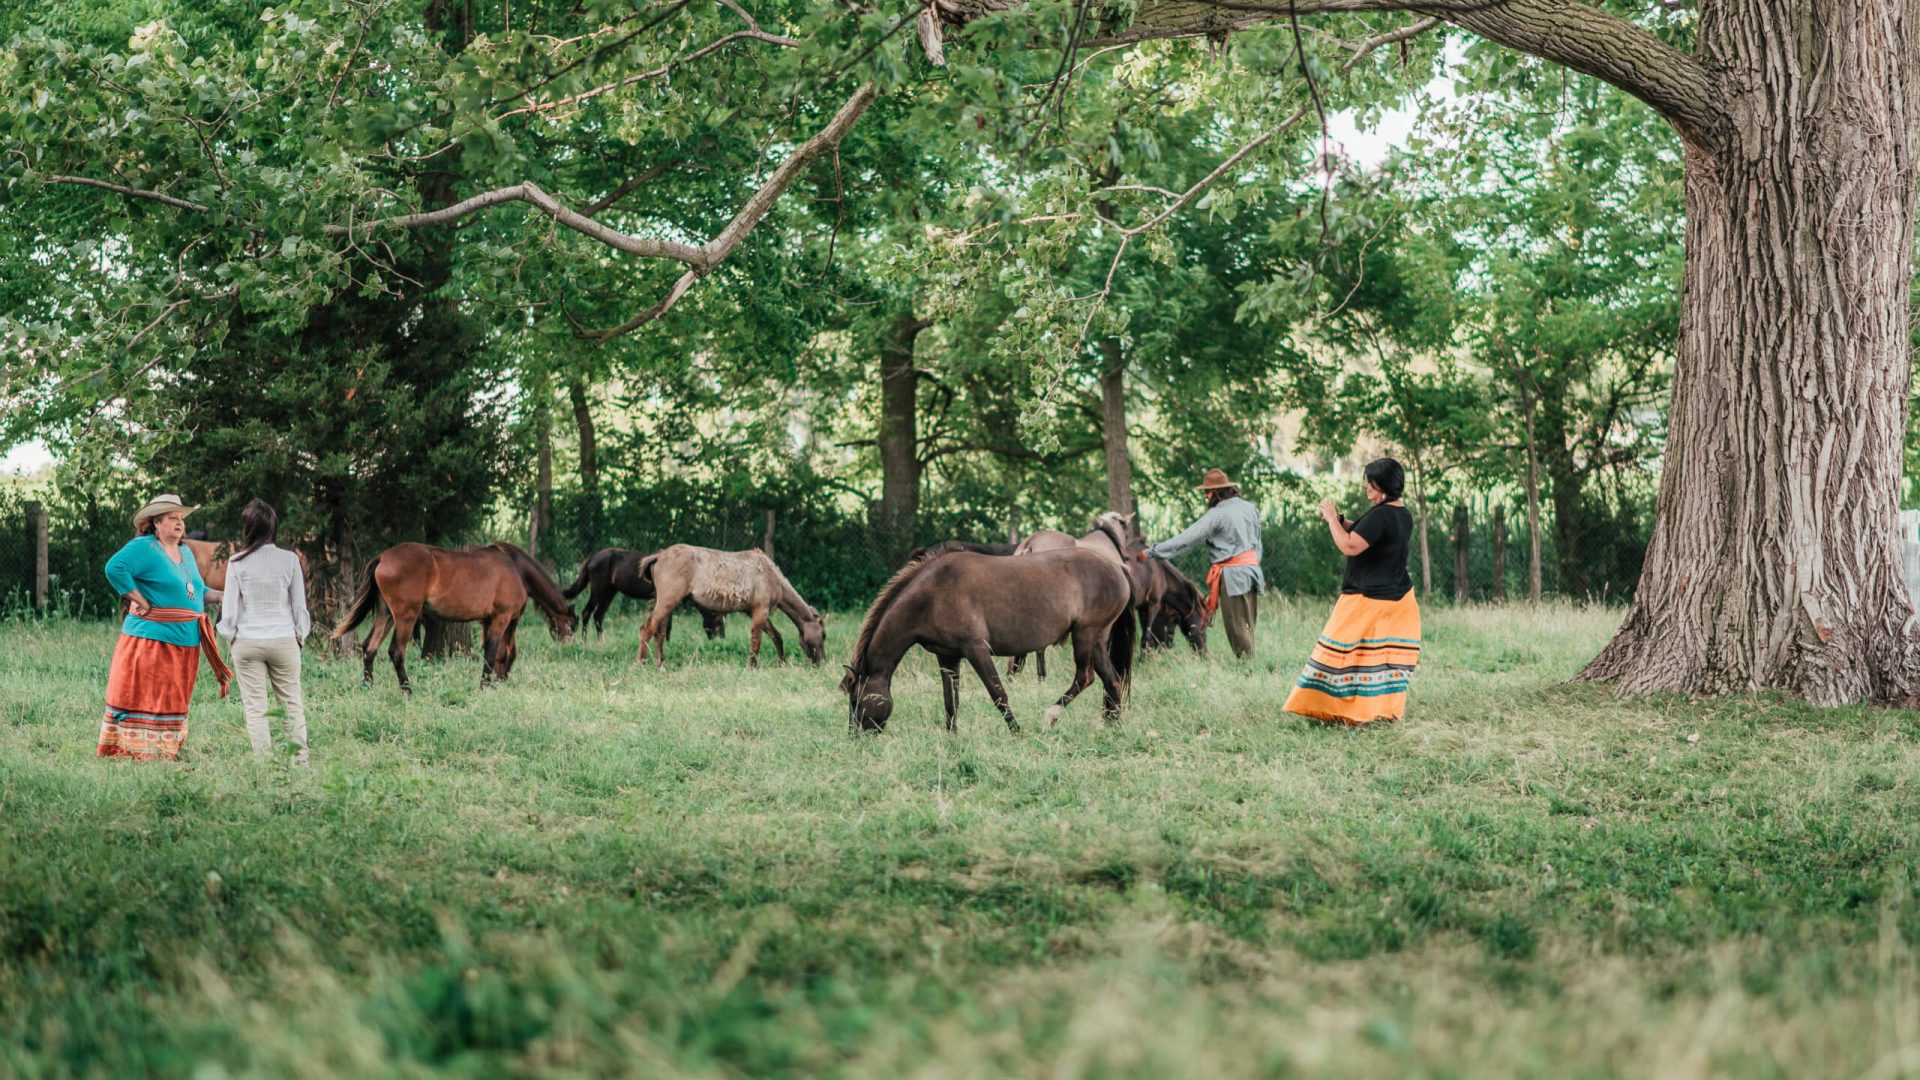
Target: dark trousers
(1239,614)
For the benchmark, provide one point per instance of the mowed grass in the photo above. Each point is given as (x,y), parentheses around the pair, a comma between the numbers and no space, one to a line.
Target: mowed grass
(597,870)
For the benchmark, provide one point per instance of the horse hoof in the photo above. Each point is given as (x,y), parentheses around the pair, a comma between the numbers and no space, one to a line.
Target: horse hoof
(1053,714)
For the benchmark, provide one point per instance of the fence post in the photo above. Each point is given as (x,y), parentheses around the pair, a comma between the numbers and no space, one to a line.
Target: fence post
(1499,553)
(1461,538)
(37,530)
(766,542)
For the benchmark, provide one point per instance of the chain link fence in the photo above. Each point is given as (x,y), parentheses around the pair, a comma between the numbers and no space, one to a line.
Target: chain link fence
(1477,549)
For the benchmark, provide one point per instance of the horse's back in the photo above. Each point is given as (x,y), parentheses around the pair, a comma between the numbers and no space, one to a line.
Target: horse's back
(1019,604)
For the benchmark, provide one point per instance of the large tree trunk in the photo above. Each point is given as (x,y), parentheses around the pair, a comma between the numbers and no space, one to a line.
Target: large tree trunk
(590,509)
(1774,558)
(899,437)
(1113,428)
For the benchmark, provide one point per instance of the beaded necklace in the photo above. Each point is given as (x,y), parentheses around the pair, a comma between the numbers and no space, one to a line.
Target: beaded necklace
(181,569)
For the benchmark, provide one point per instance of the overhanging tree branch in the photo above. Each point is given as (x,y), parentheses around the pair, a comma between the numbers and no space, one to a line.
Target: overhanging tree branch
(130,192)
(1574,34)
(698,258)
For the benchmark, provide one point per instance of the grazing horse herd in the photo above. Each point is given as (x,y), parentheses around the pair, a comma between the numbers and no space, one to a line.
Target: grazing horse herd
(1097,593)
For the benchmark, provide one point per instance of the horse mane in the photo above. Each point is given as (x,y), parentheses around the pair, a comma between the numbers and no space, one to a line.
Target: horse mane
(888,594)
(545,593)
(1119,542)
(947,547)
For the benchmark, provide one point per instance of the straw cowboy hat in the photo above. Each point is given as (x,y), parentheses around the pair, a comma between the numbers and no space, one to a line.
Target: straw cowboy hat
(162,504)
(1215,478)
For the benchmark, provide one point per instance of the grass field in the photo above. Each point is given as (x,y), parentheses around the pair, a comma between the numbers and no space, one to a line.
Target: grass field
(597,870)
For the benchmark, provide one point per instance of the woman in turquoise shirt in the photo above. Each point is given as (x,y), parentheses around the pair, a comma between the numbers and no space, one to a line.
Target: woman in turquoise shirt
(162,638)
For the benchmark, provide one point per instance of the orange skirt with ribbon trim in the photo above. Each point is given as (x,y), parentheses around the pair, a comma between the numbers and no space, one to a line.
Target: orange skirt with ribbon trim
(1363,663)
(150,686)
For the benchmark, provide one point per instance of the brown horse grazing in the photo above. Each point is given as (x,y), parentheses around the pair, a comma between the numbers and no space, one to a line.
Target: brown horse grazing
(488,584)
(728,581)
(1107,538)
(612,571)
(960,604)
(1168,599)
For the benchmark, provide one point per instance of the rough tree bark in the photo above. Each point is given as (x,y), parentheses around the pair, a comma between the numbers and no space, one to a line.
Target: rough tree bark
(1113,428)
(1774,560)
(899,436)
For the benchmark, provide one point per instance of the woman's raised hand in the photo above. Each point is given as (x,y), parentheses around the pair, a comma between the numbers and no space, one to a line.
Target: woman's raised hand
(1328,511)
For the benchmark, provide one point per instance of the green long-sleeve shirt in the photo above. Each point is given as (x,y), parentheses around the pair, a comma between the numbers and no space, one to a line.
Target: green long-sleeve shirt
(1230,527)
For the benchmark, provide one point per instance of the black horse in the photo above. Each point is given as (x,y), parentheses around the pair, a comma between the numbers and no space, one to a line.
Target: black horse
(617,570)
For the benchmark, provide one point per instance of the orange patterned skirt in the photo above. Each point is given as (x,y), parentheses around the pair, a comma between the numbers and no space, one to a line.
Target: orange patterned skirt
(148,690)
(1363,663)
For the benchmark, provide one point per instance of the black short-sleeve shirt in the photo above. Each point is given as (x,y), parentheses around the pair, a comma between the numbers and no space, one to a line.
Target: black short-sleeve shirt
(1380,572)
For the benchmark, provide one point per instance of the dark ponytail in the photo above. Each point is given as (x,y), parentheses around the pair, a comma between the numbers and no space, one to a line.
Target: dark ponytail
(258,526)
(1387,475)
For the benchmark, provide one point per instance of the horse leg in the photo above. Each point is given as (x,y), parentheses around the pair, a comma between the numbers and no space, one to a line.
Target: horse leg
(1109,682)
(981,658)
(403,624)
(1014,665)
(1040,665)
(598,601)
(779,646)
(368,647)
(664,601)
(490,652)
(757,625)
(950,687)
(1083,645)
(1148,622)
(509,650)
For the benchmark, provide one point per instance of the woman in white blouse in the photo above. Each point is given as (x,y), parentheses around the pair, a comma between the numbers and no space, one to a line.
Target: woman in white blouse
(264,618)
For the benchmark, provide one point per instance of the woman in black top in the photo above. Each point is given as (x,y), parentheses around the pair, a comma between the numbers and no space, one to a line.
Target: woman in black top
(1361,666)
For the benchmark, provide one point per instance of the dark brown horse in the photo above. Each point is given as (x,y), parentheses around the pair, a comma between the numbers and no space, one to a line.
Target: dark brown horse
(960,604)
(1168,601)
(613,571)
(489,584)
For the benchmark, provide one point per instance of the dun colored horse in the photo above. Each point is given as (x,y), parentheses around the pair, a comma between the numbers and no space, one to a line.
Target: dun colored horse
(727,581)
(959,604)
(489,584)
(612,571)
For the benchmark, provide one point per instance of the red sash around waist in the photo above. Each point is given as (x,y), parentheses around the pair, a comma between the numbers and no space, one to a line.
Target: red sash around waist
(209,648)
(1245,558)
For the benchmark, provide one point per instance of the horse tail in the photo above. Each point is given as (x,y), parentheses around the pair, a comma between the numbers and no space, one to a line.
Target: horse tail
(363,604)
(643,570)
(580,582)
(1120,647)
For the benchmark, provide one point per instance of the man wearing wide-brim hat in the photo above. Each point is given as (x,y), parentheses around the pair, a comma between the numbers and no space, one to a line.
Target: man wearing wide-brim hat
(1231,528)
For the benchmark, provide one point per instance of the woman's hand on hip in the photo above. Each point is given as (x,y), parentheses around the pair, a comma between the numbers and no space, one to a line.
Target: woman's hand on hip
(137,604)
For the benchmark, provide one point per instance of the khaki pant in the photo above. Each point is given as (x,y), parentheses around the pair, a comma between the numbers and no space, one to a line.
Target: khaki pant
(1239,614)
(257,661)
